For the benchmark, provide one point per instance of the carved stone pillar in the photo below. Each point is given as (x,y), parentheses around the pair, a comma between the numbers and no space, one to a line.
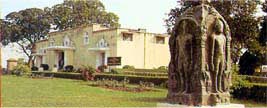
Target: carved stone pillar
(199,71)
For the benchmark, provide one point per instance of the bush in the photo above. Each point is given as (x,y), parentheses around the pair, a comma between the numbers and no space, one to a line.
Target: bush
(102,68)
(59,75)
(34,68)
(87,73)
(258,92)
(128,67)
(21,69)
(45,66)
(133,79)
(68,68)
(162,68)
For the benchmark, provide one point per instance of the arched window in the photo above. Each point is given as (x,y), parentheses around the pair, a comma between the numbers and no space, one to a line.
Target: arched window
(102,43)
(86,38)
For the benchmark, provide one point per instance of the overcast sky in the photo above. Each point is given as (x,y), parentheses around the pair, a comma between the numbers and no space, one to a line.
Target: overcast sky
(148,14)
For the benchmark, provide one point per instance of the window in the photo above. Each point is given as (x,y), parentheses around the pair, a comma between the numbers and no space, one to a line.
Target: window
(160,40)
(66,41)
(52,42)
(127,37)
(86,38)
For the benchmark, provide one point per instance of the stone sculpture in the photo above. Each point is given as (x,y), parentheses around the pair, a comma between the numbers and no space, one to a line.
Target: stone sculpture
(199,70)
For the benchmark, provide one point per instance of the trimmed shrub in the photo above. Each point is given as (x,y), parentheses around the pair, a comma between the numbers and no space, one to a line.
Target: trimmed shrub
(162,68)
(133,79)
(59,75)
(34,68)
(21,69)
(258,92)
(128,67)
(68,68)
(45,66)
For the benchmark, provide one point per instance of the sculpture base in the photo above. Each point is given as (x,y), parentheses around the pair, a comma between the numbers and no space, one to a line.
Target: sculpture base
(186,106)
(199,99)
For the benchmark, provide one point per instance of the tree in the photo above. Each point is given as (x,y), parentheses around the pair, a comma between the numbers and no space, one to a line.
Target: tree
(25,28)
(240,16)
(73,13)
(247,64)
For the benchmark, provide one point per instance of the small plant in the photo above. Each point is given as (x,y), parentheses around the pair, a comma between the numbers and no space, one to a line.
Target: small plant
(45,66)
(102,68)
(21,69)
(111,83)
(146,85)
(162,68)
(87,73)
(34,68)
(69,68)
(128,67)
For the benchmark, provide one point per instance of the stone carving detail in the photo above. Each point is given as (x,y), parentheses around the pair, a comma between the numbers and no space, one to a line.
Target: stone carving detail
(199,70)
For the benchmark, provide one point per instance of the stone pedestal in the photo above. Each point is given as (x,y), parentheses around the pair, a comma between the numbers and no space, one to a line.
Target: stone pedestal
(200,66)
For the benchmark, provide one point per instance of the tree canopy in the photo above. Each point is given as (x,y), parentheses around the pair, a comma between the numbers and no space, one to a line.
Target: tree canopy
(75,13)
(28,26)
(25,28)
(239,14)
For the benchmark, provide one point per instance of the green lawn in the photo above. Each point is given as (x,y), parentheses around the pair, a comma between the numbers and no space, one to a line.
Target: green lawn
(26,92)
(23,91)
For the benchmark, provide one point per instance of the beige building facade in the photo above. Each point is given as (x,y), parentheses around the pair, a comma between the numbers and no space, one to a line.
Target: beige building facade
(93,44)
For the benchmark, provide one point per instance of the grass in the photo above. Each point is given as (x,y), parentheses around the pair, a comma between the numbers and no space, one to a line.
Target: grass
(56,92)
(27,92)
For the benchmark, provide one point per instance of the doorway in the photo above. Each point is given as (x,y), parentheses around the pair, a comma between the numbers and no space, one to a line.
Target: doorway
(61,60)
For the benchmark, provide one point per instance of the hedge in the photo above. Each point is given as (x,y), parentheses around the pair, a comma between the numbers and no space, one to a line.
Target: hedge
(254,79)
(258,92)
(133,79)
(145,73)
(60,74)
(140,70)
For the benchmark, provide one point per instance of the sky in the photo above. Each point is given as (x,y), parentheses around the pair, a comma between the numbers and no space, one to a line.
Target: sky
(147,14)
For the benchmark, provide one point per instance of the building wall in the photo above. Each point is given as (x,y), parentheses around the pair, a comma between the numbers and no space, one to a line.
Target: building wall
(156,54)
(132,52)
(142,52)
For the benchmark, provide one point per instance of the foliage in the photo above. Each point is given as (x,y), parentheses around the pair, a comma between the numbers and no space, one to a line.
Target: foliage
(238,81)
(163,68)
(88,73)
(69,68)
(111,83)
(128,67)
(45,66)
(102,68)
(146,85)
(66,75)
(25,28)
(241,19)
(73,13)
(34,68)
(152,74)
(247,64)
(133,79)
(257,93)
(21,69)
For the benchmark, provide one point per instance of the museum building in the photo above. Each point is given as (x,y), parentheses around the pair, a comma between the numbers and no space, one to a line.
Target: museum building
(94,44)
